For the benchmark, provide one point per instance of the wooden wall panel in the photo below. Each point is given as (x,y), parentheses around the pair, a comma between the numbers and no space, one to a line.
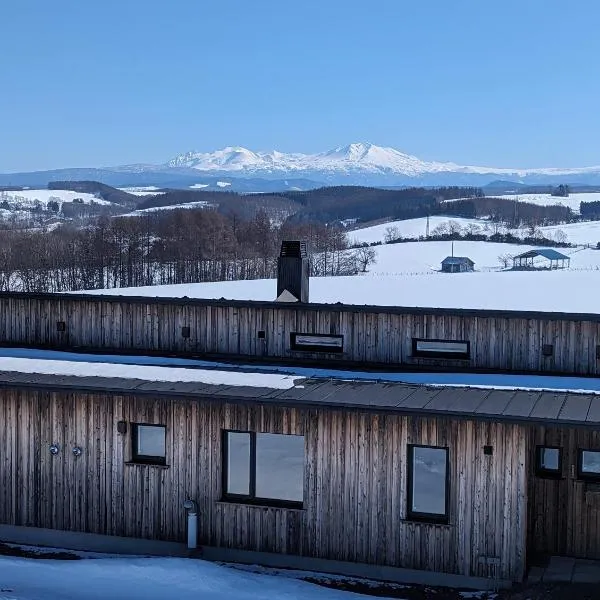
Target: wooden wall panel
(355,480)
(497,342)
(564,513)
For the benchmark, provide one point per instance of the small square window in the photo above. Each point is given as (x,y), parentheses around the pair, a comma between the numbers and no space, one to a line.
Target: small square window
(185,332)
(149,444)
(488,450)
(589,464)
(547,349)
(61,326)
(262,335)
(548,461)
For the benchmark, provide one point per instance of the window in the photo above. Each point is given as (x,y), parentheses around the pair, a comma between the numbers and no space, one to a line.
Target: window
(428,478)
(263,468)
(548,461)
(149,446)
(589,464)
(317,342)
(441,348)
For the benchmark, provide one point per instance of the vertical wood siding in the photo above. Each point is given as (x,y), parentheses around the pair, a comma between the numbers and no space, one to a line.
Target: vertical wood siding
(564,513)
(504,343)
(355,480)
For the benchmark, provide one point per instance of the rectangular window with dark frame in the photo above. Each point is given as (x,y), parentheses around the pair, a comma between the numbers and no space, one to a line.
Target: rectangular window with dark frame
(428,483)
(317,342)
(441,348)
(263,468)
(548,461)
(149,444)
(589,465)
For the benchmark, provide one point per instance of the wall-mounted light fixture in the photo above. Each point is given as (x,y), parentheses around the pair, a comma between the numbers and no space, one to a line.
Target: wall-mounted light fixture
(54,449)
(77,451)
(122,427)
(61,326)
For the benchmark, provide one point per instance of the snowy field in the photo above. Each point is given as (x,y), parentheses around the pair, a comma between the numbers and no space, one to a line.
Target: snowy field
(409,228)
(556,291)
(28,198)
(572,202)
(148,579)
(150,190)
(187,206)
(587,232)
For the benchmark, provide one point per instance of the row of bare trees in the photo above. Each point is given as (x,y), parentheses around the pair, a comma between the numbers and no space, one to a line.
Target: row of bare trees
(168,247)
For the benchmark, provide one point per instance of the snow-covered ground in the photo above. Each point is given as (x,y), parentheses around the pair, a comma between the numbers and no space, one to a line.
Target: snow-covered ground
(410,228)
(28,198)
(149,190)
(148,579)
(186,206)
(587,232)
(556,291)
(573,201)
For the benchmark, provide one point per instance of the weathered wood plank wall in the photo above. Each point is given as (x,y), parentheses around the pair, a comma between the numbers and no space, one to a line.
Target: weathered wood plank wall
(564,513)
(355,480)
(152,325)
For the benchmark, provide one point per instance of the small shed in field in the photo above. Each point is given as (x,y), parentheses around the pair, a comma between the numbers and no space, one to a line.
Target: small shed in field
(551,260)
(457,264)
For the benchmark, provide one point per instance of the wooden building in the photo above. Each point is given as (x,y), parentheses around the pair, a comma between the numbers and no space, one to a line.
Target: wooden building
(462,481)
(340,334)
(457,264)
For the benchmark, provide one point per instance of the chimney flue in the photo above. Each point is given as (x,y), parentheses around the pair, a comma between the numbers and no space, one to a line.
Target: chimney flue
(293,270)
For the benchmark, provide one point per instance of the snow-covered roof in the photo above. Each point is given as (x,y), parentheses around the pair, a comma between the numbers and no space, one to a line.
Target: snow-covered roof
(548,253)
(559,400)
(457,260)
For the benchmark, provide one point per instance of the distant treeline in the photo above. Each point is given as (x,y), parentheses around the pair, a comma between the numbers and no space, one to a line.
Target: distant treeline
(323,205)
(590,210)
(508,211)
(169,247)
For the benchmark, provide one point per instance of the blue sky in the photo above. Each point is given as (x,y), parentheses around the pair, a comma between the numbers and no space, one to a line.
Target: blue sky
(488,82)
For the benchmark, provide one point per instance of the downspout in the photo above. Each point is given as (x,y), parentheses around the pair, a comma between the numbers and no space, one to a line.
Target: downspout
(192,528)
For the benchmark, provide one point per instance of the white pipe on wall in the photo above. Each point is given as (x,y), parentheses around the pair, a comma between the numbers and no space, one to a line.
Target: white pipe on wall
(192,526)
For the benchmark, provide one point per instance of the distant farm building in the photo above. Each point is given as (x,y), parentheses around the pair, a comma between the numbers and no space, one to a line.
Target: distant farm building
(457,264)
(551,259)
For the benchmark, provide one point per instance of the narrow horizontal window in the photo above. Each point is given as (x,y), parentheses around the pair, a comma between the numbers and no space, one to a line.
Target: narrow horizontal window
(548,461)
(589,464)
(263,468)
(441,348)
(149,444)
(317,342)
(428,483)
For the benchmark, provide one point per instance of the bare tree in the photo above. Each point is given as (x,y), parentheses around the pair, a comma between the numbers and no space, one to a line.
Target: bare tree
(365,256)
(505,260)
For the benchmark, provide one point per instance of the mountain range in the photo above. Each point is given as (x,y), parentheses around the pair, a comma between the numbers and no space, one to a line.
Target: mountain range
(355,164)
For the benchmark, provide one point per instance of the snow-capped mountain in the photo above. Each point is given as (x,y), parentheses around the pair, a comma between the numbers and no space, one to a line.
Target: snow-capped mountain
(353,160)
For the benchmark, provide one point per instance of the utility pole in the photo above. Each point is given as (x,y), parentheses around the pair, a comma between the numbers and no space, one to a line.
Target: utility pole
(427,228)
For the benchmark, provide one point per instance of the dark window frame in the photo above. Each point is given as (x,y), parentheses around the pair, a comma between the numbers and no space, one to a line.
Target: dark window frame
(316,348)
(146,459)
(413,515)
(435,354)
(544,472)
(252,498)
(580,473)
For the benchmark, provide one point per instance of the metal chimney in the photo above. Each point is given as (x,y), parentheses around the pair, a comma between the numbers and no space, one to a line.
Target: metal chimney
(293,270)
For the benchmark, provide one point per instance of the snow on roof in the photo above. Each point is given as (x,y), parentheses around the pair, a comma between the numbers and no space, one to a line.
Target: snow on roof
(154,373)
(457,260)
(548,253)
